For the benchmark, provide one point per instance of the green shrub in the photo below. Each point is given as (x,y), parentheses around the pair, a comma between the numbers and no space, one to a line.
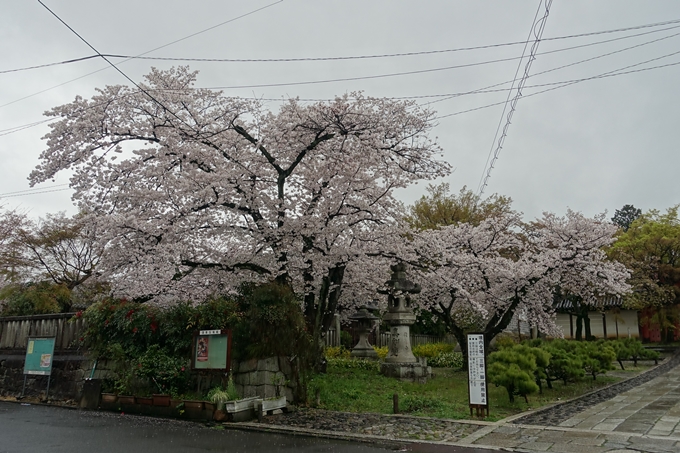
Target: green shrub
(431,349)
(419,403)
(597,357)
(22,299)
(503,341)
(354,364)
(346,339)
(382,351)
(636,351)
(334,352)
(513,369)
(169,373)
(148,345)
(447,360)
(565,363)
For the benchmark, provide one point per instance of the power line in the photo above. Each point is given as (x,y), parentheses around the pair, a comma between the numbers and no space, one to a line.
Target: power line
(141,54)
(32,190)
(34,193)
(447,96)
(487,90)
(46,65)
(565,84)
(532,56)
(350,57)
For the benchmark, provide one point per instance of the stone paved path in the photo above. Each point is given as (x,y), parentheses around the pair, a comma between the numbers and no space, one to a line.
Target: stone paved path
(652,408)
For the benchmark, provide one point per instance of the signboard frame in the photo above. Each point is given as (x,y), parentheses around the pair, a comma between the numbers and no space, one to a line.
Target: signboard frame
(39,359)
(217,358)
(478,384)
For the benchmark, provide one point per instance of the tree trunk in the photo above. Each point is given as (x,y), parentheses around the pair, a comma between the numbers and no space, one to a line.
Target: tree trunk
(579,328)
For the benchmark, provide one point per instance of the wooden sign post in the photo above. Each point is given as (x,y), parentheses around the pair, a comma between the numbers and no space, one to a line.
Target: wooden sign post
(477,382)
(39,359)
(211,350)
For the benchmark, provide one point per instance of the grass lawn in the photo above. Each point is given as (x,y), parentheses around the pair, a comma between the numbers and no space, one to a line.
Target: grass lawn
(444,396)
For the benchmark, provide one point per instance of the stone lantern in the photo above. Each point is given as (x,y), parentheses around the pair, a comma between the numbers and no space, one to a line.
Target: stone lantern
(364,320)
(400,361)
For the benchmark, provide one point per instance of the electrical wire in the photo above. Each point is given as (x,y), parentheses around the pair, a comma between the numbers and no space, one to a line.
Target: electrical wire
(141,54)
(564,84)
(352,57)
(532,56)
(28,191)
(34,193)
(485,90)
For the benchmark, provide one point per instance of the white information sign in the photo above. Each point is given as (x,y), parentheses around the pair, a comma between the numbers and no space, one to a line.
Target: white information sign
(210,332)
(476,369)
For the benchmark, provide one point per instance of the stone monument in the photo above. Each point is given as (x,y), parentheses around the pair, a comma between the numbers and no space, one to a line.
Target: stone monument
(364,319)
(400,361)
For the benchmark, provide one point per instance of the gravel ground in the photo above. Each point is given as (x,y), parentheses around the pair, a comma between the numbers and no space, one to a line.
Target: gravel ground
(390,426)
(554,415)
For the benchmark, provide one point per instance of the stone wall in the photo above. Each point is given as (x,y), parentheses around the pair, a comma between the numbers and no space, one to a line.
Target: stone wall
(70,366)
(66,382)
(259,377)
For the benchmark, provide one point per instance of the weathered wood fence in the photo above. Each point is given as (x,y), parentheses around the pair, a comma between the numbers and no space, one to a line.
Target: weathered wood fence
(384,337)
(15,330)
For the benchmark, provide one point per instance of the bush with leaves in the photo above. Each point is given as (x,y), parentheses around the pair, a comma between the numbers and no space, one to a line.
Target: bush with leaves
(354,364)
(447,360)
(636,351)
(430,350)
(169,374)
(566,363)
(147,342)
(381,351)
(419,403)
(36,298)
(514,369)
(334,352)
(597,357)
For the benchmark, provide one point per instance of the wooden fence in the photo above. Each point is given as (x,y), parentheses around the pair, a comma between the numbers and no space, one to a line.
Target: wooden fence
(15,330)
(384,337)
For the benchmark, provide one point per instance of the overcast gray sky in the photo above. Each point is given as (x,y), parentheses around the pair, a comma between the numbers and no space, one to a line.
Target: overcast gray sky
(590,146)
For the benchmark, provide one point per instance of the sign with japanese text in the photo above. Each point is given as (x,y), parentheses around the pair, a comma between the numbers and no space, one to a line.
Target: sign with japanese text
(477,383)
(39,355)
(212,350)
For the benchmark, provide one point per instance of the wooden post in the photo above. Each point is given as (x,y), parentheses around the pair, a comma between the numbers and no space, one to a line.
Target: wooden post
(395,403)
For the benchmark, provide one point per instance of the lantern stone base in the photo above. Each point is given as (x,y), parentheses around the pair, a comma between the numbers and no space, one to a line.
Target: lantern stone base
(364,353)
(417,372)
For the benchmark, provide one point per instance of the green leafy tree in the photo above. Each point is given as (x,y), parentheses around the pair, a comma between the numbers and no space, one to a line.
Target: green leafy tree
(566,363)
(622,350)
(625,216)
(441,208)
(597,357)
(515,370)
(34,298)
(636,351)
(650,248)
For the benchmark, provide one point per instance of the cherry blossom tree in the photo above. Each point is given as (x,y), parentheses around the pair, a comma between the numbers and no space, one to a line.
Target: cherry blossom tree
(476,277)
(195,192)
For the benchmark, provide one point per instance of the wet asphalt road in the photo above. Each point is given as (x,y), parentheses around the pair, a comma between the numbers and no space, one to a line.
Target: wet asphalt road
(29,429)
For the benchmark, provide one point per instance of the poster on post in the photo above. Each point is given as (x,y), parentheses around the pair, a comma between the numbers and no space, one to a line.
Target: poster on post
(39,356)
(477,382)
(211,350)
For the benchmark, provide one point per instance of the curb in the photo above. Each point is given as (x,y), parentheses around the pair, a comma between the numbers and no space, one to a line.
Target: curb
(353,437)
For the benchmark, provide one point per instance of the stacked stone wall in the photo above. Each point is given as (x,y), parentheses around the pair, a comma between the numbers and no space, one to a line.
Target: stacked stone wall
(261,377)
(66,381)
